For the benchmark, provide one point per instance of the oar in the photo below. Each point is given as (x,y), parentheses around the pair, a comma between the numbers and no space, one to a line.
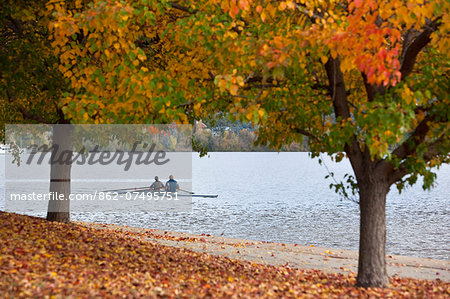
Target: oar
(189,192)
(135,188)
(205,195)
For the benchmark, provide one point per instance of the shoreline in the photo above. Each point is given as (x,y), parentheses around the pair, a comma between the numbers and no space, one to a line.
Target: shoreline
(280,254)
(40,258)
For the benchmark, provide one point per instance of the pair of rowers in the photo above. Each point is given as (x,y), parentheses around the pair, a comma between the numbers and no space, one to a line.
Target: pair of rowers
(171,185)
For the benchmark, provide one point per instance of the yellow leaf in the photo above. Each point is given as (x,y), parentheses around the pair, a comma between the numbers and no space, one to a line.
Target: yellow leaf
(234,89)
(261,112)
(271,9)
(263,16)
(249,115)
(240,81)
(291,4)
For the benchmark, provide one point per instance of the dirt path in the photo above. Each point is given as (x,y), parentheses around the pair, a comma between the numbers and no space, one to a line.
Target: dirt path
(295,256)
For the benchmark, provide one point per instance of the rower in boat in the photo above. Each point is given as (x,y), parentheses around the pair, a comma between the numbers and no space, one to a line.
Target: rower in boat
(172,185)
(157,185)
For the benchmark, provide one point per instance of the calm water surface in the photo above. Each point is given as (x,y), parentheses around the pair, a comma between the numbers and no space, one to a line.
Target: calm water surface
(285,198)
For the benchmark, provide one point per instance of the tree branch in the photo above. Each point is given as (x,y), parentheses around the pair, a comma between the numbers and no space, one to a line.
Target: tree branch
(411,51)
(30,116)
(302,8)
(372,90)
(17,25)
(434,149)
(410,144)
(336,82)
(306,133)
(341,110)
(182,8)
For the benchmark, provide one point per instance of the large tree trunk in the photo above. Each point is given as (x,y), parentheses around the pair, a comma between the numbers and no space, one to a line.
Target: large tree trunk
(372,243)
(61,158)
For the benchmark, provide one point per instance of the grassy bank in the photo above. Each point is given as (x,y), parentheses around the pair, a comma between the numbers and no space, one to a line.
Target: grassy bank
(39,259)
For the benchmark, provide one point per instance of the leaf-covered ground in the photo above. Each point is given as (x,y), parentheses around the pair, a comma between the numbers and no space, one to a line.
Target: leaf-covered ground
(41,259)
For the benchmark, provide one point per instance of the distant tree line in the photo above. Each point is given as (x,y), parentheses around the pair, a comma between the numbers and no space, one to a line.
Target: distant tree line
(223,135)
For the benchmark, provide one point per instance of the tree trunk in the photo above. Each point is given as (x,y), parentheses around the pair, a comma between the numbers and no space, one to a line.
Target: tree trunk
(372,243)
(61,163)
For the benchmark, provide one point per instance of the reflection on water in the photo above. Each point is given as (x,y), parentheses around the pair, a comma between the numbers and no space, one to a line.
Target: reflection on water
(285,198)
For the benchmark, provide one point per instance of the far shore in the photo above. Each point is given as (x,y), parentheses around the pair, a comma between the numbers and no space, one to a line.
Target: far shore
(290,255)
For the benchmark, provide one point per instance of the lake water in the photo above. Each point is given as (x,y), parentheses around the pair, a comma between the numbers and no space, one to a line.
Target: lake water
(284,197)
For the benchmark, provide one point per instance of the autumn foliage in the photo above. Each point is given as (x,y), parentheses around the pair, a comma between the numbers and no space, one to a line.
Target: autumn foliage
(266,62)
(40,258)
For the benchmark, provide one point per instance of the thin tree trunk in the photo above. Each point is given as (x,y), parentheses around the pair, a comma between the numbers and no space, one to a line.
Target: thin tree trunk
(372,245)
(61,158)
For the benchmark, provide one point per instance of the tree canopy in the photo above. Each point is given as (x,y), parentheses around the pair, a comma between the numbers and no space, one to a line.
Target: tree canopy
(31,85)
(368,75)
